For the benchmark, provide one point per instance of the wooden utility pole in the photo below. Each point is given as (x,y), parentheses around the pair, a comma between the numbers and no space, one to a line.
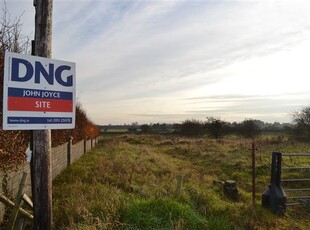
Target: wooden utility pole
(41,158)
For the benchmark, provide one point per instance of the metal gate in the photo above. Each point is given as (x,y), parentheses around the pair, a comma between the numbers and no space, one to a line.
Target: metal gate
(294,188)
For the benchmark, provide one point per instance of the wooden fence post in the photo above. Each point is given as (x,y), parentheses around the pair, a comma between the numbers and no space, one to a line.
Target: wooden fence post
(253,172)
(17,201)
(85,143)
(179,185)
(69,151)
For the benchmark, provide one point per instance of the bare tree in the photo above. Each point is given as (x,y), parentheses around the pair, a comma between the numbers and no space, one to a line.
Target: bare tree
(11,36)
(301,120)
(216,128)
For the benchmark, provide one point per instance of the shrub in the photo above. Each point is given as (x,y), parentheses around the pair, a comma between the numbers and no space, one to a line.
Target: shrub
(84,129)
(145,129)
(250,129)
(301,128)
(216,128)
(191,128)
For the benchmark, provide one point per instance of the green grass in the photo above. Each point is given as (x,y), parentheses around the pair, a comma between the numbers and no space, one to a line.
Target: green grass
(161,214)
(130,182)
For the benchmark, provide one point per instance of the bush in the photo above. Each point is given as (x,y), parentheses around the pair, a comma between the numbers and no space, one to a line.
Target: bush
(191,128)
(84,129)
(216,128)
(250,129)
(145,129)
(301,128)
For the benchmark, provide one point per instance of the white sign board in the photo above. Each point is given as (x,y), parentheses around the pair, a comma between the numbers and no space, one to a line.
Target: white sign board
(38,93)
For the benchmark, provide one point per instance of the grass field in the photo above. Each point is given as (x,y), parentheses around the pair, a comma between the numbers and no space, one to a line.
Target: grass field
(130,182)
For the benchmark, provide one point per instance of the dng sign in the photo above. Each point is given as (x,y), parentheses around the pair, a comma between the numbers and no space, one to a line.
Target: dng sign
(38,72)
(38,93)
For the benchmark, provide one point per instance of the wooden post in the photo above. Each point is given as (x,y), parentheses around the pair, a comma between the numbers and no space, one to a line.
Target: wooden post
(10,203)
(41,158)
(17,201)
(69,151)
(85,145)
(179,185)
(253,173)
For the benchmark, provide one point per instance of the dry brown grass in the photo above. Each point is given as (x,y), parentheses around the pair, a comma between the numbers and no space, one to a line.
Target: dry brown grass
(124,183)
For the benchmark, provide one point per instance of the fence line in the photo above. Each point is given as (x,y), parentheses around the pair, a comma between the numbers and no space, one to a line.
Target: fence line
(62,156)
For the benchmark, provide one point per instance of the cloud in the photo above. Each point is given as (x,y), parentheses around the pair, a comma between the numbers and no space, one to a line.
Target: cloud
(238,107)
(147,57)
(145,43)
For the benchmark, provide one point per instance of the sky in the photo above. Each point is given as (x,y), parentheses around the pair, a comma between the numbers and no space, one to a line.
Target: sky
(151,61)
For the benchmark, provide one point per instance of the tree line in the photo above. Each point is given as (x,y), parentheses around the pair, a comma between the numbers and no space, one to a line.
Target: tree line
(213,126)
(218,128)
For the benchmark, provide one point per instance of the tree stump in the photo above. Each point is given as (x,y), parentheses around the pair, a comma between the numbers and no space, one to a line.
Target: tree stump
(230,190)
